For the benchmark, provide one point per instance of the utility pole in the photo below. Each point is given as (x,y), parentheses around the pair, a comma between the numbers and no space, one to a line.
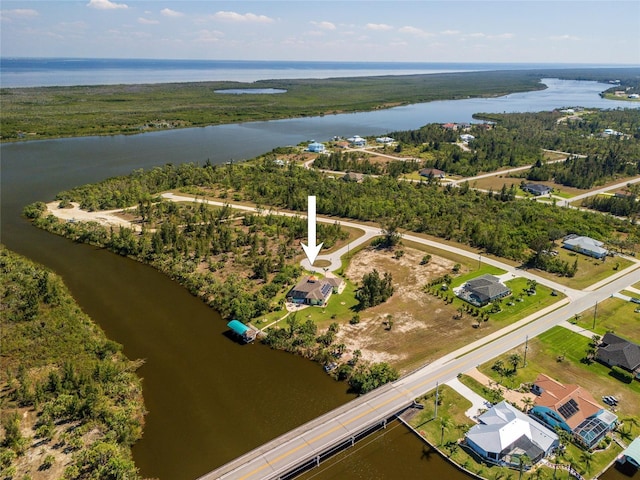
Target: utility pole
(526,347)
(435,414)
(595,312)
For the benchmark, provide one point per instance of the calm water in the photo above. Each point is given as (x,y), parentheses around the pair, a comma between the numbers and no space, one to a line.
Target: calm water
(36,72)
(210,399)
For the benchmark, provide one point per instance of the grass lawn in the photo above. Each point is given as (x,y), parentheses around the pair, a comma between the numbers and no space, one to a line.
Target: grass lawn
(451,415)
(590,270)
(340,308)
(558,353)
(529,304)
(613,315)
(636,285)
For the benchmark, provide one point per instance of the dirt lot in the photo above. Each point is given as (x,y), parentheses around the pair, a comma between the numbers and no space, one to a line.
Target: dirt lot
(424,327)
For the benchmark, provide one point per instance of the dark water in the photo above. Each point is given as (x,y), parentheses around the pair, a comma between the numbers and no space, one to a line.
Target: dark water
(377,458)
(210,399)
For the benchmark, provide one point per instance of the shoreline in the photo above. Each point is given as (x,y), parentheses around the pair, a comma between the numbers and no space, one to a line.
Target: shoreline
(127,109)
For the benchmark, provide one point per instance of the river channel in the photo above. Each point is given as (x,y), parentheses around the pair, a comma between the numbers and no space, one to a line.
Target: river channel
(209,398)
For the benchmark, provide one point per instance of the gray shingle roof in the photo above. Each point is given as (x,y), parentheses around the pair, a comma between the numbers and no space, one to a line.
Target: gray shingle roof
(617,351)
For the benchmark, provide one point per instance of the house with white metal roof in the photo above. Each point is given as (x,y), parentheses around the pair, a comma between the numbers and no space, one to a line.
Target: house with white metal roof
(586,245)
(504,434)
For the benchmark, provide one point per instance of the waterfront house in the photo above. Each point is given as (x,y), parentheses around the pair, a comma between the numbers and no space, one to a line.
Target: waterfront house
(385,140)
(356,141)
(482,290)
(537,189)
(616,351)
(504,434)
(586,245)
(631,455)
(316,147)
(311,291)
(571,408)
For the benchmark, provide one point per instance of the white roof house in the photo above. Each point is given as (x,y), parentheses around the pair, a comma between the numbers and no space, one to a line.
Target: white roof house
(587,245)
(465,137)
(357,141)
(505,433)
(385,140)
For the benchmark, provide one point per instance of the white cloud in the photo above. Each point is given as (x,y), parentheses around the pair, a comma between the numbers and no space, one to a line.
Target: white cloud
(564,37)
(451,32)
(167,12)
(20,13)
(106,5)
(146,21)
(324,25)
(502,35)
(418,32)
(477,35)
(378,26)
(238,17)
(209,36)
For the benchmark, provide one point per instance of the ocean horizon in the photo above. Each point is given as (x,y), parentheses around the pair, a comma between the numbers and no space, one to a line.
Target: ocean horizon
(18,72)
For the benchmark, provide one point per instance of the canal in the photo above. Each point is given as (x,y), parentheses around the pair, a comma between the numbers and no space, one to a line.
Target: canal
(209,398)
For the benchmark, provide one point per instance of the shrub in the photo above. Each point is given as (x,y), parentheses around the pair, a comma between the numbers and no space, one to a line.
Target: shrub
(621,375)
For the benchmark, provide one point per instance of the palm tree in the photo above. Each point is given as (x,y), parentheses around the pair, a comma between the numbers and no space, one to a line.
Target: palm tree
(445,424)
(523,461)
(514,360)
(528,403)
(586,457)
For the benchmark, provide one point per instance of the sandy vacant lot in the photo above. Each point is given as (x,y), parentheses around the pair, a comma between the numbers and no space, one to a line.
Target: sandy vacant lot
(415,314)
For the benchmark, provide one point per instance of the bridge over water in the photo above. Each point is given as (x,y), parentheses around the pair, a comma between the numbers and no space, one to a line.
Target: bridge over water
(313,440)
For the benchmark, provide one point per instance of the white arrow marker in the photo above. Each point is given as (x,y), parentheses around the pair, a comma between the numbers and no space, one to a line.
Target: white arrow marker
(312,250)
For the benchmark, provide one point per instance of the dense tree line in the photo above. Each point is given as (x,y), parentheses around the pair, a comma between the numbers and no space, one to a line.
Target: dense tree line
(58,362)
(238,265)
(517,139)
(490,221)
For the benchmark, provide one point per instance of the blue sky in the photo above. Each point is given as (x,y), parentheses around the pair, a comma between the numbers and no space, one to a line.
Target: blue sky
(422,31)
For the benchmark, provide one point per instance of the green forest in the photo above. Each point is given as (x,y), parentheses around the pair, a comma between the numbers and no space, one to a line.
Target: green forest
(63,381)
(517,139)
(46,112)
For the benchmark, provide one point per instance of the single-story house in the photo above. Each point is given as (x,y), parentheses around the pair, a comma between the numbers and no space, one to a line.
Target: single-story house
(482,290)
(586,245)
(537,189)
(466,138)
(353,177)
(279,162)
(504,434)
(571,408)
(357,141)
(450,126)
(385,140)
(632,454)
(310,291)
(316,147)
(616,351)
(431,173)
